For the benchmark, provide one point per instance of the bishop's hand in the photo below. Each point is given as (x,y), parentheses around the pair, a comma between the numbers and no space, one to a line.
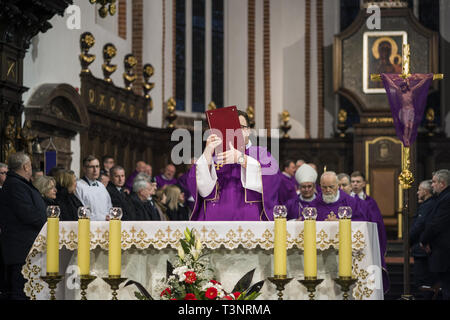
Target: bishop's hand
(212,143)
(229,157)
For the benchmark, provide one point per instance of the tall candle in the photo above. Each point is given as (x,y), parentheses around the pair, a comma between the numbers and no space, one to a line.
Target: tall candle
(279,251)
(114,254)
(84,245)
(310,251)
(345,248)
(52,245)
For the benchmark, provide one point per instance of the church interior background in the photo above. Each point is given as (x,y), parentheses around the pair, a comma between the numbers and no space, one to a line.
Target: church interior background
(82,78)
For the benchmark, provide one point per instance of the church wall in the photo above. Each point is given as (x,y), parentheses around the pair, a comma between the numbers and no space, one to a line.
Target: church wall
(53,56)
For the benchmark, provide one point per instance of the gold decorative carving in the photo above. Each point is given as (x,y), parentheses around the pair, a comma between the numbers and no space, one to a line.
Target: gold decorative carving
(87,41)
(129,77)
(148,86)
(285,126)
(109,52)
(171,116)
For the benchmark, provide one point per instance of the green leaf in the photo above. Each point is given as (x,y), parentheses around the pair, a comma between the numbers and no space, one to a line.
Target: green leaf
(244,282)
(169,269)
(255,288)
(141,289)
(185,246)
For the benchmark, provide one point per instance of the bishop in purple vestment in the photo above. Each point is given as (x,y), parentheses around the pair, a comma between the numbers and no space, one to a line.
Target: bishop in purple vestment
(234,186)
(306,178)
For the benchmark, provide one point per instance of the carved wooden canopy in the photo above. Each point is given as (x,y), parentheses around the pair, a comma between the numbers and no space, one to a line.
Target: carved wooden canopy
(58,110)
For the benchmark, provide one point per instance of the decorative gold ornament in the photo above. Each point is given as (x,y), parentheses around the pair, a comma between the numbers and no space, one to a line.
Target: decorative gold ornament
(87,41)
(251,116)
(406,177)
(171,116)
(285,126)
(129,77)
(109,52)
(107,6)
(342,122)
(430,125)
(212,106)
(148,86)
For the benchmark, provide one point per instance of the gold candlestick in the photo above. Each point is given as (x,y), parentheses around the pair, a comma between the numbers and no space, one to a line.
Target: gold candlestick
(345,283)
(114,283)
(85,280)
(280,282)
(311,283)
(52,279)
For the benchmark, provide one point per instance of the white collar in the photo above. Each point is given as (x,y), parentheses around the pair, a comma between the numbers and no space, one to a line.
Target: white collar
(308,200)
(249,144)
(361,195)
(286,174)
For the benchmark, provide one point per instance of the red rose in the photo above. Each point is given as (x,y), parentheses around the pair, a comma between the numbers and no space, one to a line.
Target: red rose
(211,293)
(236,294)
(214,282)
(166,292)
(190,296)
(191,277)
(228,298)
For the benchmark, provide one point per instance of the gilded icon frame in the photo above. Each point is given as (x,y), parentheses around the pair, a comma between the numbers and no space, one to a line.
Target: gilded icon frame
(371,54)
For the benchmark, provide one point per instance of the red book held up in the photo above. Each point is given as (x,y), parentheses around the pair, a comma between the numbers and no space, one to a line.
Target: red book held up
(223,120)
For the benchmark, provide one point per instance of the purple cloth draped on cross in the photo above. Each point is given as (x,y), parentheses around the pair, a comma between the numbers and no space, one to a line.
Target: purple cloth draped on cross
(407,98)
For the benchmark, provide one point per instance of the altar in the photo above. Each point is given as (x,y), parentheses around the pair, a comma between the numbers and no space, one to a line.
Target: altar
(234,248)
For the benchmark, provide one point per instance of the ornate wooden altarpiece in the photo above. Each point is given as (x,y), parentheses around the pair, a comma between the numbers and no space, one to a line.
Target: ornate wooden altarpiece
(358,52)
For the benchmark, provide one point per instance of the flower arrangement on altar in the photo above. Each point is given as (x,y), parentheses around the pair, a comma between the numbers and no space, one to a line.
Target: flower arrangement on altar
(190,278)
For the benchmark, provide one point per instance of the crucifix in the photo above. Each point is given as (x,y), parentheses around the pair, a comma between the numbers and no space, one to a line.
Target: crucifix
(404,91)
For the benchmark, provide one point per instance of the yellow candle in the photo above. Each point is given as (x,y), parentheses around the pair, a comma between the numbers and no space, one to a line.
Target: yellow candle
(53,245)
(84,245)
(310,251)
(345,248)
(279,248)
(114,256)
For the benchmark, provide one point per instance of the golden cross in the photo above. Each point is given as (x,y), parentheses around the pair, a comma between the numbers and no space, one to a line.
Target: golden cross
(218,166)
(406,65)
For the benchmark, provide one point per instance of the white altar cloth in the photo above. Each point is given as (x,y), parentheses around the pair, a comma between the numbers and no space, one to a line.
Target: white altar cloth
(235,248)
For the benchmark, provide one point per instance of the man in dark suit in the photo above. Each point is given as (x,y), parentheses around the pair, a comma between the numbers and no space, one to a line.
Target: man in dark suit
(422,275)
(436,237)
(118,193)
(23,216)
(143,202)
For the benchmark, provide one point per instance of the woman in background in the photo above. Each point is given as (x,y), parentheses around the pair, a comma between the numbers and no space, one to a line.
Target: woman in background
(176,210)
(66,183)
(47,188)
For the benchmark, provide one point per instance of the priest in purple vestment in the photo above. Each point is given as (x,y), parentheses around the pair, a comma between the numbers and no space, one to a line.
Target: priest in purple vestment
(373,214)
(306,177)
(167,177)
(140,167)
(288,184)
(234,186)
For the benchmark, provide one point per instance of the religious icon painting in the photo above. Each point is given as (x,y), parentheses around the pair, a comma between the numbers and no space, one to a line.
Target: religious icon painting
(382,53)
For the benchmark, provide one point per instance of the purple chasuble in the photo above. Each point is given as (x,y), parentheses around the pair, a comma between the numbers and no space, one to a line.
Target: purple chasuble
(130,180)
(345,200)
(407,98)
(161,182)
(182,181)
(373,214)
(295,207)
(287,190)
(229,201)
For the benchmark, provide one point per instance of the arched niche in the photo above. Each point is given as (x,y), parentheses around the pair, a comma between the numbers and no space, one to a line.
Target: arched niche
(56,110)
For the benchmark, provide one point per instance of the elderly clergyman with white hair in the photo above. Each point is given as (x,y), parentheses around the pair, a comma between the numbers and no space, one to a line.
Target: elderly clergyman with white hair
(332,198)
(22,217)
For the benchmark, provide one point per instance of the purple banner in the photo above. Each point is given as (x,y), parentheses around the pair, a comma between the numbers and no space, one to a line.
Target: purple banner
(407,98)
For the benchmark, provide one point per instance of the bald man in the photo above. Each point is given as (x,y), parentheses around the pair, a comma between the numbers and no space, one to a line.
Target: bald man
(167,177)
(332,198)
(141,166)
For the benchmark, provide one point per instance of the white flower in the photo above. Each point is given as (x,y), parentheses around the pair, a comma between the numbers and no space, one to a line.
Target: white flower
(198,245)
(181,252)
